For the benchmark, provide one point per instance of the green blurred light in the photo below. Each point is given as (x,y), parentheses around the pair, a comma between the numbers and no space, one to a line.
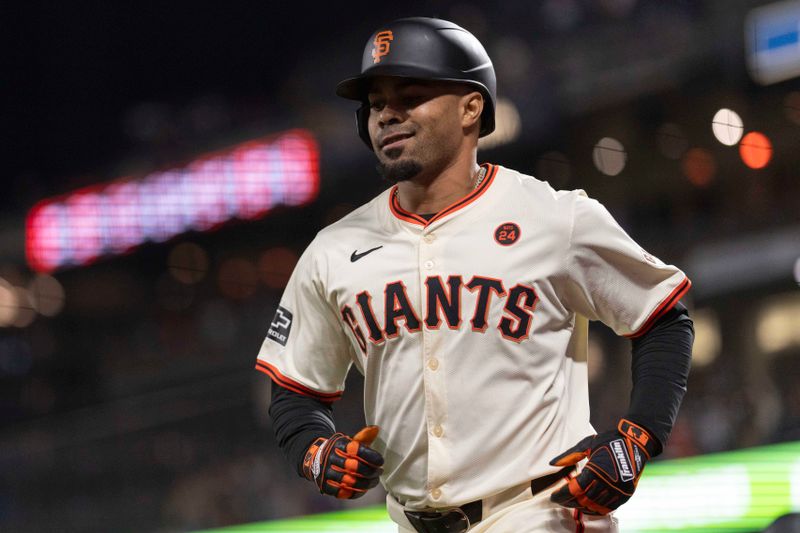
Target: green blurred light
(741,491)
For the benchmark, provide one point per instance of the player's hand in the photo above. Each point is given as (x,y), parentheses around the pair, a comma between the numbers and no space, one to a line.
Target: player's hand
(342,466)
(616,461)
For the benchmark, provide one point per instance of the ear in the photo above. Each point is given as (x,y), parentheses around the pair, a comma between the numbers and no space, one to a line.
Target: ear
(472,107)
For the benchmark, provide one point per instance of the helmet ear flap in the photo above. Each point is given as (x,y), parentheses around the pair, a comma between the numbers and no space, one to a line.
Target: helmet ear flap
(362,120)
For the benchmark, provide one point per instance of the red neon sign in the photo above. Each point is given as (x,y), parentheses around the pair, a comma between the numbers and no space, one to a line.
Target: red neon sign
(245,182)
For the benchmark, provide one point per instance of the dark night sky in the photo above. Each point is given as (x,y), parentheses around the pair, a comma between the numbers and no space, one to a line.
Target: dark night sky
(75,68)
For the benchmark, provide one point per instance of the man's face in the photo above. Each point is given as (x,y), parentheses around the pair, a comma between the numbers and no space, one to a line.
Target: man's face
(414,125)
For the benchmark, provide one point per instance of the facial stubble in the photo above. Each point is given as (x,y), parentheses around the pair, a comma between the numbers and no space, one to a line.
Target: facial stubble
(397,171)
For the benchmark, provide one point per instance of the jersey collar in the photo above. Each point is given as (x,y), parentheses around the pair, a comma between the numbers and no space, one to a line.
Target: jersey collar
(402,214)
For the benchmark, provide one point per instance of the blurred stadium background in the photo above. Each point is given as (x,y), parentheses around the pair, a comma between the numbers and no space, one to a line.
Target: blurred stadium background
(165,164)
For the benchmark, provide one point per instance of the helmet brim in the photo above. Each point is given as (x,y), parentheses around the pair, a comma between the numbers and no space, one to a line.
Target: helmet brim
(357,87)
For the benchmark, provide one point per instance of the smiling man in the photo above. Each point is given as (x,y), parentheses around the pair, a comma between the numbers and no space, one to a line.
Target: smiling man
(462,294)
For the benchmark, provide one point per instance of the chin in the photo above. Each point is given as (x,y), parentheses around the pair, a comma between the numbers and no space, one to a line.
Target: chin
(400,169)
(393,154)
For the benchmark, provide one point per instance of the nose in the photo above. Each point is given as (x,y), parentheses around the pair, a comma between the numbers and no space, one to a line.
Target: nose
(390,114)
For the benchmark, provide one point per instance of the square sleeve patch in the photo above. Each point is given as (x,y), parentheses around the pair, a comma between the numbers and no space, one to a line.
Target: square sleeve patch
(281,326)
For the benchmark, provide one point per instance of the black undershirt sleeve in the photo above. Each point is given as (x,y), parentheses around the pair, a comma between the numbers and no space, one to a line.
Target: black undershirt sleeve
(297,421)
(660,368)
(659,365)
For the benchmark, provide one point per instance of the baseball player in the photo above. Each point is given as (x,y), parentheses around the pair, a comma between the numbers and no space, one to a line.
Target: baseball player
(463,294)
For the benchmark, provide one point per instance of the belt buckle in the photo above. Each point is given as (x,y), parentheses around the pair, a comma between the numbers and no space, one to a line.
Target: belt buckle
(439,521)
(460,511)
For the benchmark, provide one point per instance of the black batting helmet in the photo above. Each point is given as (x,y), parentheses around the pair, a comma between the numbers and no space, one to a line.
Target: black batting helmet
(428,49)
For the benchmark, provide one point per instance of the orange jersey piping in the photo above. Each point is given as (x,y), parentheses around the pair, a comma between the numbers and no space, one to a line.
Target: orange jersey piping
(402,214)
(665,305)
(294,386)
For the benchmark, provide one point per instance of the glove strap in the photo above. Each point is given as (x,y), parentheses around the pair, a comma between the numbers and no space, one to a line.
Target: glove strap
(638,435)
(311,460)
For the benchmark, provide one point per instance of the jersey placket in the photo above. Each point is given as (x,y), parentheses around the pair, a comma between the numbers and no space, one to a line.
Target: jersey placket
(434,345)
(433,374)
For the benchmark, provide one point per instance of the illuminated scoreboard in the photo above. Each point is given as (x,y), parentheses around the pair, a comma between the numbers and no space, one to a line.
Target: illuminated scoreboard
(242,182)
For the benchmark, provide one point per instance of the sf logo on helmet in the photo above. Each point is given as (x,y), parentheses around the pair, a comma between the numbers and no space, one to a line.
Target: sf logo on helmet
(382,42)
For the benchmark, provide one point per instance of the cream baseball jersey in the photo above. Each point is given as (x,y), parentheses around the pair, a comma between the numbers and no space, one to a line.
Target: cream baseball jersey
(470,328)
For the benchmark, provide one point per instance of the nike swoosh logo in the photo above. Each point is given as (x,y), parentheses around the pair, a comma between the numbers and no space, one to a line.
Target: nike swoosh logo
(355,256)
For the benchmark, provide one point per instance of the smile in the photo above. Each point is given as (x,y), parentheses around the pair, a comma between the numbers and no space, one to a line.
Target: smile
(394,140)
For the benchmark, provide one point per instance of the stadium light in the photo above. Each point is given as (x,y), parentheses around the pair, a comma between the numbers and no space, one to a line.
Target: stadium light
(755,150)
(245,182)
(727,126)
(609,156)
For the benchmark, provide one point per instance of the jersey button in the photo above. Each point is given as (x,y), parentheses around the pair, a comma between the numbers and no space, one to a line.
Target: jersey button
(438,431)
(428,265)
(433,363)
(436,493)
(429,238)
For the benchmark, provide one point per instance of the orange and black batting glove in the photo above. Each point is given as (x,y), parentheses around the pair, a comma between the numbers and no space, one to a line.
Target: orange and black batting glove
(616,460)
(342,466)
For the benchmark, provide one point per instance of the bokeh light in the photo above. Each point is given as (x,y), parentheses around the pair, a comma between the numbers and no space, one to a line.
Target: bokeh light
(778,323)
(275,266)
(756,150)
(507,125)
(609,156)
(672,141)
(237,278)
(727,126)
(597,360)
(699,166)
(48,294)
(9,305)
(188,263)
(26,311)
(707,340)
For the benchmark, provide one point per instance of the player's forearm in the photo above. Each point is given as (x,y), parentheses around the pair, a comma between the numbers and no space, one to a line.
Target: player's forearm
(297,421)
(660,368)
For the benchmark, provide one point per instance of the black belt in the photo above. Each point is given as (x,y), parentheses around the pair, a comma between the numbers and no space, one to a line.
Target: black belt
(460,519)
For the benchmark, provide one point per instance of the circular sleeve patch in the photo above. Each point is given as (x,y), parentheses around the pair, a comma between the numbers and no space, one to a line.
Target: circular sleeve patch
(507,234)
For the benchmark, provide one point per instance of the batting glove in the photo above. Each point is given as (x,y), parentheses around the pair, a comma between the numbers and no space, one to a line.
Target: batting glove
(342,466)
(616,461)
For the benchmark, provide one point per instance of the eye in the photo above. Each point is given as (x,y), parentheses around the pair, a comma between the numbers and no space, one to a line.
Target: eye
(411,101)
(376,105)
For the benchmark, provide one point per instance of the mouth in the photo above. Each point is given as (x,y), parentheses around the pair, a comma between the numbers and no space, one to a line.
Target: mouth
(394,140)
